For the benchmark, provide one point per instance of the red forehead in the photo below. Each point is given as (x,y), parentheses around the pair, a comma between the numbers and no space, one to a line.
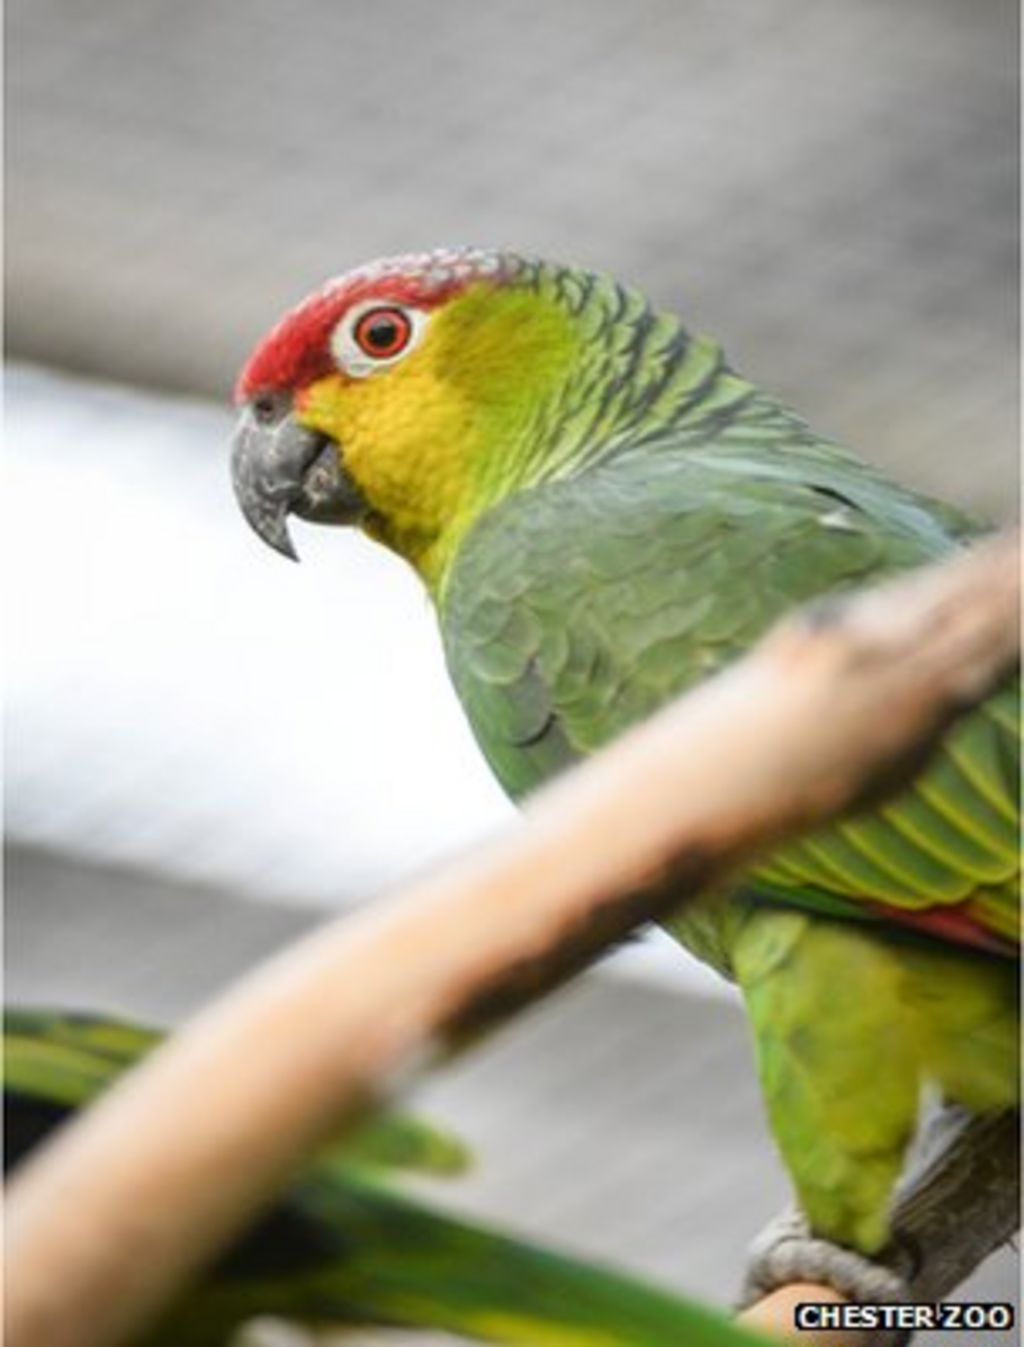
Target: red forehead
(297,351)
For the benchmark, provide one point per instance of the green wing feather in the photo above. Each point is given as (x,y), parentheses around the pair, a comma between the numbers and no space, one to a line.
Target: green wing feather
(581,606)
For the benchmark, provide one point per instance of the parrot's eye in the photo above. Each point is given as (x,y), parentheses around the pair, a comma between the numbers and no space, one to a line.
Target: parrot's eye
(383,332)
(375,335)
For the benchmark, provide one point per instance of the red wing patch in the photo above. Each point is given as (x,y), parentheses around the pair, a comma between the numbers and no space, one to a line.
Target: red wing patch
(954,924)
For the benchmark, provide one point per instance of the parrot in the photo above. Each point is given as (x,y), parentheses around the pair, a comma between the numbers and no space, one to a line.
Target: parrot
(605,513)
(343,1245)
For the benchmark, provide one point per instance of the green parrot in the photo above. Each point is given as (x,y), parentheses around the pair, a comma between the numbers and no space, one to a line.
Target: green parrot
(343,1245)
(605,513)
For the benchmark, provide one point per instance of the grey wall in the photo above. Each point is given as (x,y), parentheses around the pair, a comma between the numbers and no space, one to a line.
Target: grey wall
(830,185)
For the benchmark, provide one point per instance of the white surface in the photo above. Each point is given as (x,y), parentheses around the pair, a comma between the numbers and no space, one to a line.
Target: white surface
(183,700)
(180,697)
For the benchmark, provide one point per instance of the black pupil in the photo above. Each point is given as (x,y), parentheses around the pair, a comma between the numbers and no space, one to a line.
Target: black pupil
(382,333)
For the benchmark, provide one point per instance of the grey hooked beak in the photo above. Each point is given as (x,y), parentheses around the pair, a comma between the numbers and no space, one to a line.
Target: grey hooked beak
(279,467)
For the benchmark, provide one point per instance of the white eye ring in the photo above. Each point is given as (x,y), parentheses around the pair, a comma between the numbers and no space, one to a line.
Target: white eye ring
(353,357)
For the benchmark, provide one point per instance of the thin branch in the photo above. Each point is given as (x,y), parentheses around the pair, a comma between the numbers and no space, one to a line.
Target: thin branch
(134,1199)
(962,1202)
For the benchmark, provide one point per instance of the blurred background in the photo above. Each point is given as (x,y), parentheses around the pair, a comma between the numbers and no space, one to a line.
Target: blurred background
(206,747)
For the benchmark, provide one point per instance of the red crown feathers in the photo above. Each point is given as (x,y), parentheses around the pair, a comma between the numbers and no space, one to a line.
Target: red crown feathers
(297,351)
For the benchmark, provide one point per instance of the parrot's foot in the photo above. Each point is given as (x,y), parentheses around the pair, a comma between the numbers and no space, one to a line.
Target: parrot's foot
(786,1252)
(959,1200)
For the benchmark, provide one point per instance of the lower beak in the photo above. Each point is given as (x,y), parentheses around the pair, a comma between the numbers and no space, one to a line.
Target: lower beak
(284,469)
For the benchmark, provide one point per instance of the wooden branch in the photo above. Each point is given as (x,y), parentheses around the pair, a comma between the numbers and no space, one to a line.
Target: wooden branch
(775,1314)
(961,1202)
(134,1199)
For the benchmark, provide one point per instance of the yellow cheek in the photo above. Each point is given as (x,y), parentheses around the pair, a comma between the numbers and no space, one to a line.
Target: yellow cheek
(403,434)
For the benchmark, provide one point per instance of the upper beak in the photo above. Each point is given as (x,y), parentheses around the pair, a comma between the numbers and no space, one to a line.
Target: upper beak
(284,468)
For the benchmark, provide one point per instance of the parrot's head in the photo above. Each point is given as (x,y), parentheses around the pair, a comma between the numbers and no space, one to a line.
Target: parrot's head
(407,397)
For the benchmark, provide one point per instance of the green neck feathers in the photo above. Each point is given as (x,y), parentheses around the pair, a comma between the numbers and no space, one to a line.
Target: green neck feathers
(553,372)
